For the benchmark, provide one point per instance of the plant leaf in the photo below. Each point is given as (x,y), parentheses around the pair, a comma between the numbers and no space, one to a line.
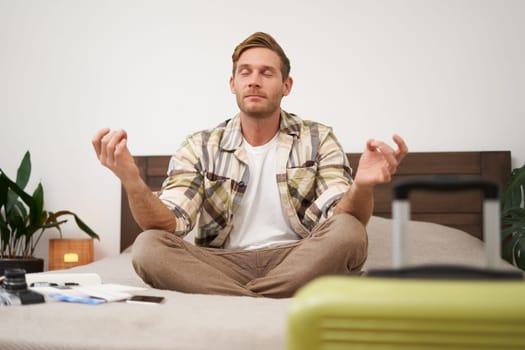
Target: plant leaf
(512,196)
(20,192)
(3,190)
(86,228)
(513,225)
(81,224)
(508,248)
(24,171)
(37,209)
(17,220)
(513,218)
(519,252)
(5,233)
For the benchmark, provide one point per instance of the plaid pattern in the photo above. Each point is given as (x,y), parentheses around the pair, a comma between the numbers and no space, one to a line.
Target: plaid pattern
(209,175)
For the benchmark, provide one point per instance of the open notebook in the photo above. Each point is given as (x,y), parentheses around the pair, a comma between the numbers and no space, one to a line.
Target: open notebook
(78,287)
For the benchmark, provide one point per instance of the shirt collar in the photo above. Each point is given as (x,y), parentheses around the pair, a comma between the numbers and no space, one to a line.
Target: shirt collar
(232,137)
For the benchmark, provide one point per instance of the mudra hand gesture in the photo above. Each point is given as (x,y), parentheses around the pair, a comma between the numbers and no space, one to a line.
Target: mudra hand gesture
(379,162)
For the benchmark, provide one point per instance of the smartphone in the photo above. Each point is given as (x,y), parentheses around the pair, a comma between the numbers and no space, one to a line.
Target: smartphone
(145,299)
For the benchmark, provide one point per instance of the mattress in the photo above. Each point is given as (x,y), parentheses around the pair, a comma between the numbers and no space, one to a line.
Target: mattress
(193,321)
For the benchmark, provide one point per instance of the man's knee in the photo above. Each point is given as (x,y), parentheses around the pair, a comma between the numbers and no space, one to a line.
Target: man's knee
(350,229)
(345,229)
(148,244)
(142,242)
(350,238)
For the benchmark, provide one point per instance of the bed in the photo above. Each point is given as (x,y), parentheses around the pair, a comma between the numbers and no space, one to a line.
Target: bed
(445,228)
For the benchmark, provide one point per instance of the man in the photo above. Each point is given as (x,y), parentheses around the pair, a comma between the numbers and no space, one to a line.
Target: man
(277,204)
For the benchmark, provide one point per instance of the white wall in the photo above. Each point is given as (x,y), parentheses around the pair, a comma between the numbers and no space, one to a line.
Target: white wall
(447,75)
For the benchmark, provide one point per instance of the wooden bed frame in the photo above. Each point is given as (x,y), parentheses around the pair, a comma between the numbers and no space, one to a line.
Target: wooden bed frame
(460,210)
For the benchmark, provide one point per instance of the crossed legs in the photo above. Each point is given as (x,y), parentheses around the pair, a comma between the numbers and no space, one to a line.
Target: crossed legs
(165,261)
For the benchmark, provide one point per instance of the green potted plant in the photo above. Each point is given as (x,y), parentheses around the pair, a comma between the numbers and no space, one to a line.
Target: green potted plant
(23,220)
(513,219)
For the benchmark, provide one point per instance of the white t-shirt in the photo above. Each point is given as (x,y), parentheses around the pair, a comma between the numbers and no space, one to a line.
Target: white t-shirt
(259,221)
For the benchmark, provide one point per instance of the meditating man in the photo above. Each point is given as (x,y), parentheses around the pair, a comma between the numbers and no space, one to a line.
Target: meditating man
(273,194)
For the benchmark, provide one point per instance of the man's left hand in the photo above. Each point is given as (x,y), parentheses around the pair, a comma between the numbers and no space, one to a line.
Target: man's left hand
(379,162)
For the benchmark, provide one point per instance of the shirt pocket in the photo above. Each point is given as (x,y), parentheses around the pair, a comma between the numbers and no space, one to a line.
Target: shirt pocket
(217,201)
(302,184)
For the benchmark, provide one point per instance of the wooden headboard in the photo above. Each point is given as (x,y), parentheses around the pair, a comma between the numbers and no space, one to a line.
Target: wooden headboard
(461,210)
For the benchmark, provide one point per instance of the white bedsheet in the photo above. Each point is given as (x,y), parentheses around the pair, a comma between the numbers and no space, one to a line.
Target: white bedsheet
(192,321)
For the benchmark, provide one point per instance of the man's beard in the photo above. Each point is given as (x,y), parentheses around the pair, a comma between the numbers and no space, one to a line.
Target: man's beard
(258,111)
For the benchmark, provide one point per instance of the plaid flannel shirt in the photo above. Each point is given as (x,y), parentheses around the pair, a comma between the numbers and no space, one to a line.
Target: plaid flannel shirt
(209,174)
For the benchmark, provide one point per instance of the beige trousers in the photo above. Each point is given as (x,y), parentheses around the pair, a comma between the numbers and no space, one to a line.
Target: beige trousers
(165,261)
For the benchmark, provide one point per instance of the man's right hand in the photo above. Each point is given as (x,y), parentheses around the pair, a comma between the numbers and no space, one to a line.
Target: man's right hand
(147,209)
(113,153)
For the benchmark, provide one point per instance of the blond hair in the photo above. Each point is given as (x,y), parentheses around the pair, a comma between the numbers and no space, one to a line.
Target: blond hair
(264,40)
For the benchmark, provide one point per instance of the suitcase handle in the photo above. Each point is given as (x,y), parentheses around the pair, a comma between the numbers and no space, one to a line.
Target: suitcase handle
(448,272)
(402,188)
(491,212)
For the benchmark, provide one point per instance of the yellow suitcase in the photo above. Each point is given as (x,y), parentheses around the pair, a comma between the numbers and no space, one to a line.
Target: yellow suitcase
(426,307)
